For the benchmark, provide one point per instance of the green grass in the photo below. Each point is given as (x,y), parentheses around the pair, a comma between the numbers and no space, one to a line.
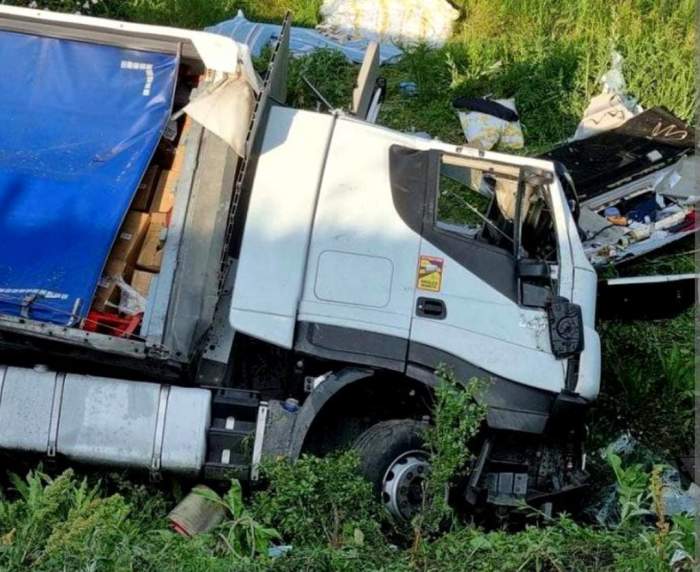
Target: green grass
(548,55)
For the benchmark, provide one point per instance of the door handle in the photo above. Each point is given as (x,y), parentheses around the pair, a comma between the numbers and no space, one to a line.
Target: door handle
(431,308)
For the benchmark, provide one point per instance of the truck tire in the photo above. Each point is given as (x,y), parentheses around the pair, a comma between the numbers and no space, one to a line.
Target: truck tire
(393,458)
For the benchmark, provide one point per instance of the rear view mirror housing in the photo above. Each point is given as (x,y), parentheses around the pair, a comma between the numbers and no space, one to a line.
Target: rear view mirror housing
(565,327)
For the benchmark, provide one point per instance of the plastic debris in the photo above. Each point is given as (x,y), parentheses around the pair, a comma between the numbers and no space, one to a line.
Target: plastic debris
(612,107)
(398,21)
(302,41)
(198,512)
(278,551)
(623,445)
(131,301)
(408,88)
(675,499)
(678,559)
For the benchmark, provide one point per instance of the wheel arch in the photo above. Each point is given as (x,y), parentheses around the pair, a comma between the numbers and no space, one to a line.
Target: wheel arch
(349,386)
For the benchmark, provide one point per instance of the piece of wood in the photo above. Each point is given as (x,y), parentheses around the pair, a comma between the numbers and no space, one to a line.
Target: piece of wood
(164,195)
(146,190)
(151,254)
(141,281)
(130,238)
(163,199)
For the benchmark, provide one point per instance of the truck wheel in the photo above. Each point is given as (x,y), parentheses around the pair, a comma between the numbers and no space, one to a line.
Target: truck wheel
(393,459)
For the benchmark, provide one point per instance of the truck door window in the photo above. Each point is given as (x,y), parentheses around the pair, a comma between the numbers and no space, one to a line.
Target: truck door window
(477,200)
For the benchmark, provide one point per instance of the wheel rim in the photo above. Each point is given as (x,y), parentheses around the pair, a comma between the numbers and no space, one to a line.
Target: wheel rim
(402,486)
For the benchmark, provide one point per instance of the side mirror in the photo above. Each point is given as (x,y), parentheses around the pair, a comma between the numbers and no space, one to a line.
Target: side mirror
(565,327)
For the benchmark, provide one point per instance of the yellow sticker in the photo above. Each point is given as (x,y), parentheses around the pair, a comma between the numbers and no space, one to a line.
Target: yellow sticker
(430,273)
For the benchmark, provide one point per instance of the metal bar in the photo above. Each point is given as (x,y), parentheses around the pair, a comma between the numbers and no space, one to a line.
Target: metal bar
(159,433)
(85,33)
(55,414)
(259,437)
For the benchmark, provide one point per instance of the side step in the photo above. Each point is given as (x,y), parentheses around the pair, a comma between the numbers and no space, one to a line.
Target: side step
(231,437)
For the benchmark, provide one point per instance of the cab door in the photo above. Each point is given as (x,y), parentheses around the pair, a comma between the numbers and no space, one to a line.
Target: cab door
(467,304)
(358,296)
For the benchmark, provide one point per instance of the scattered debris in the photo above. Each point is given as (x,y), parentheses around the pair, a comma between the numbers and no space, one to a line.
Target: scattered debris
(398,21)
(303,41)
(198,512)
(490,122)
(634,185)
(675,499)
(623,445)
(612,107)
(278,551)
(409,88)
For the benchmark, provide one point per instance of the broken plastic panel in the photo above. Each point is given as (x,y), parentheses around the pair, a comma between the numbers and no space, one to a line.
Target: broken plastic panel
(634,186)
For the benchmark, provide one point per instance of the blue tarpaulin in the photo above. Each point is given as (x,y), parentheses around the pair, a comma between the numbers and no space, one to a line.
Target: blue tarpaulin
(302,41)
(79,124)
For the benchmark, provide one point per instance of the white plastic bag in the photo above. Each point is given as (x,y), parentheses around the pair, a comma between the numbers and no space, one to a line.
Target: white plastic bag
(398,21)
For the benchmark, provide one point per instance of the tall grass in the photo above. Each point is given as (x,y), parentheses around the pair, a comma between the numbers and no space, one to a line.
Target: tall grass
(549,56)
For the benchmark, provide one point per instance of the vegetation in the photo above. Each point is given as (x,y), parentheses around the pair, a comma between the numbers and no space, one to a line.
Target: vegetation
(548,55)
(321,515)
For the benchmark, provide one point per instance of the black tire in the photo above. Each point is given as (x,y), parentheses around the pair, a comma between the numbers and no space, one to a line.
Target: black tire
(383,442)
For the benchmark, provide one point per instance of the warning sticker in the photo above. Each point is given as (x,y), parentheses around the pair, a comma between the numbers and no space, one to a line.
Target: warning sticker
(430,273)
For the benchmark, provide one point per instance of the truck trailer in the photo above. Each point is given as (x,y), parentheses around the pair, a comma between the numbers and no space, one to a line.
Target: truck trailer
(306,276)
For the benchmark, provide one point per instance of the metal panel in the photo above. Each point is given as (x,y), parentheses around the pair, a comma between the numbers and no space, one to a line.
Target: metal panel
(185,431)
(84,32)
(195,288)
(108,421)
(272,260)
(104,421)
(366,81)
(25,409)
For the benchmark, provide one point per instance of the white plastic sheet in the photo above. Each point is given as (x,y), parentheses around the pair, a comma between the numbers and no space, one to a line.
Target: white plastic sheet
(399,21)
(612,107)
(225,109)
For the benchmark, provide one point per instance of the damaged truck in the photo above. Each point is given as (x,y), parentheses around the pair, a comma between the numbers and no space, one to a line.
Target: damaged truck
(195,277)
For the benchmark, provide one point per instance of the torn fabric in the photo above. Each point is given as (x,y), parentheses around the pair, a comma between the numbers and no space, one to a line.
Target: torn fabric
(225,110)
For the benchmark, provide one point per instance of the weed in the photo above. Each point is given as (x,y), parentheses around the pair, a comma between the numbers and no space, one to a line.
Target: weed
(457,417)
(240,534)
(320,500)
(632,483)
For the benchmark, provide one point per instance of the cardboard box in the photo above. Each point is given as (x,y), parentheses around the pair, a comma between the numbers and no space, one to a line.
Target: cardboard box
(141,281)
(164,196)
(146,190)
(130,238)
(151,253)
(107,289)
